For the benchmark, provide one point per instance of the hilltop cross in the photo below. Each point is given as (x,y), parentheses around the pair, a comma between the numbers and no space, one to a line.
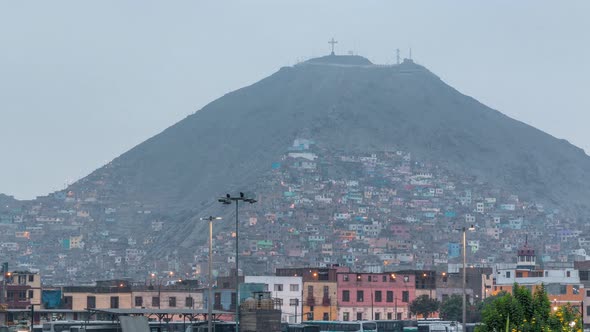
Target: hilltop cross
(332,42)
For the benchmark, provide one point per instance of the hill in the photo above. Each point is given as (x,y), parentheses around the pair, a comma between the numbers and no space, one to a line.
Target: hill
(350,105)
(330,146)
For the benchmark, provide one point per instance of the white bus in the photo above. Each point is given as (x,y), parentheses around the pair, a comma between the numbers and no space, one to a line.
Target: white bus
(65,325)
(341,326)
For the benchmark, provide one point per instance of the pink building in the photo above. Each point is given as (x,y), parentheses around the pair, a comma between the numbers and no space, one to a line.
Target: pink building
(375,296)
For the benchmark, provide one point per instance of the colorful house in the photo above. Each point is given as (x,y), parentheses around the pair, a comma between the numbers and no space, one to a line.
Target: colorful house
(375,296)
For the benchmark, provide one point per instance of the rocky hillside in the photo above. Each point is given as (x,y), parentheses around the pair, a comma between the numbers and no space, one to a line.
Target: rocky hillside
(351,105)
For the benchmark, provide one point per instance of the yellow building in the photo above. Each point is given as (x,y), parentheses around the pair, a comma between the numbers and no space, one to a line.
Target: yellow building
(320,290)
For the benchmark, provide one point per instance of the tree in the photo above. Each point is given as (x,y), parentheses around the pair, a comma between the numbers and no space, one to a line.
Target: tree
(423,305)
(452,308)
(524,312)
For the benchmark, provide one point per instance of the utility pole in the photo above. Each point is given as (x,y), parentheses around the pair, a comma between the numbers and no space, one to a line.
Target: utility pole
(210,277)
(4,275)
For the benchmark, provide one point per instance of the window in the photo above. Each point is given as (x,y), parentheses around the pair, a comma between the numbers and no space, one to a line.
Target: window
(568,274)
(584,276)
(31,295)
(588,293)
(405,296)
(22,296)
(519,274)
(326,316)
(217,300)
(345,277)
(31,278)
(294,302)
(562,289)
(155,301)
(507,274)
(188,302)
(378,296)
(326,291)
(360,295)
(310,291)
(139,301)
(278,287)
(377,316)
(114,302)
(172,301)
(346,296)
(346,316)
(389,316)
(588,310)
(359,316)
(294,287)
(68,301)
(389,296)
(90,302)
(384,278)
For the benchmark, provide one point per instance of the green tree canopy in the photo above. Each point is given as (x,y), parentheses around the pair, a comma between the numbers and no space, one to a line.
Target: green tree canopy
(423,305)
(526,312)
(452,308)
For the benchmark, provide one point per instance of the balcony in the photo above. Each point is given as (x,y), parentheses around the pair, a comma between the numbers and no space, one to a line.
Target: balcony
(326,302)
(310,302)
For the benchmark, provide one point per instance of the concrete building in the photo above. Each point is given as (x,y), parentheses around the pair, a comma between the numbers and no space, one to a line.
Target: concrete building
(110,294)
(375,296)
(20,289)
(320,290)
(288,290)
(562,285)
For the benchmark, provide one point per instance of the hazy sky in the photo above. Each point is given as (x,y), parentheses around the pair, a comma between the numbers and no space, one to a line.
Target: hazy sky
(81,82)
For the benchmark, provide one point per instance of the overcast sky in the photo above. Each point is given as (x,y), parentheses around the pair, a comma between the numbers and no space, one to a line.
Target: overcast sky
(82,82)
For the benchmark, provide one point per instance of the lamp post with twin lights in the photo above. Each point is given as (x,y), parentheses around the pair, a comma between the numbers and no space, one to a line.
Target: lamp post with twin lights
(471,228)
(228,199)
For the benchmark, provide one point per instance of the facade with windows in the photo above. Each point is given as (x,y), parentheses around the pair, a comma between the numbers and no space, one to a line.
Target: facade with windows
(563,285)
(20,289)
(320,290)
(111,294)
(375,296)
(288,290)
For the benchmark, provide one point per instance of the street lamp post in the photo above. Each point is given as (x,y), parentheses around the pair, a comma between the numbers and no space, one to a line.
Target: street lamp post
(465,276)
(158,281)
(228,200)
(210,278)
